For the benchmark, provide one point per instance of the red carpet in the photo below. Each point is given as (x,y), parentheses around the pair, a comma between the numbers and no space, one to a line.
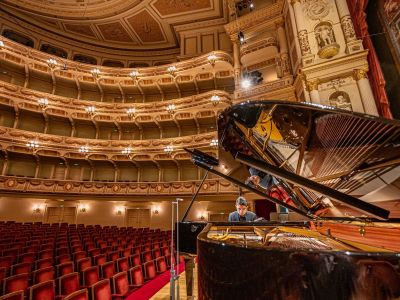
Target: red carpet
(152,287)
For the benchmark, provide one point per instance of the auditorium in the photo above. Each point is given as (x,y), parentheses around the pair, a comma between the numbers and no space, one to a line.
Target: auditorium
(200,149)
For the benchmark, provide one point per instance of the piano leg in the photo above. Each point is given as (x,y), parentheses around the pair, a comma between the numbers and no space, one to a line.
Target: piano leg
(189,266)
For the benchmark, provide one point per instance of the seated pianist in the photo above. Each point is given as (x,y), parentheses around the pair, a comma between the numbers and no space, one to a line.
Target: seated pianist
(242,214)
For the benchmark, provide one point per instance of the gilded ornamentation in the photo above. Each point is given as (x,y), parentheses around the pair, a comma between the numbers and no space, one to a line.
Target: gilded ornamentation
(312,85)
(348,29)
(317,9)
(340,100)
(285,64)
(326,40)
(10,183)
(304,43)
(360,74)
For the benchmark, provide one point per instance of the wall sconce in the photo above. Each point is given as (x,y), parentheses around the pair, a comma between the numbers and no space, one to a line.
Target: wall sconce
(134,74)
(214,143)
(1,44)
(171,109)
(83,149)
(83,208)
(156,212)
(241,37)
(127,151)
(37,209)
(43,102)
(171,70)
(131,112)
(169,149)
(215,99)
(202,217)
(95,73)
(119,210)
(90,110)
(52,63)
(212,58)
(32,144)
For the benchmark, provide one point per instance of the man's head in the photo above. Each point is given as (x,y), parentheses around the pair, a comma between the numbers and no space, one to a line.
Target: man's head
(241,205)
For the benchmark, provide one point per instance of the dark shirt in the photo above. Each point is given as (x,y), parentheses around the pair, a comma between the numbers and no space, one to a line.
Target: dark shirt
(235,217)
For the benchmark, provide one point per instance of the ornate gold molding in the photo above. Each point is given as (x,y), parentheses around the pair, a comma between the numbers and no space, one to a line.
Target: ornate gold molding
(115,189)
(312,85)
(293,2)
(18,53)
(360,74)
(256,17)
(16,139)
(17,96)
(265,88)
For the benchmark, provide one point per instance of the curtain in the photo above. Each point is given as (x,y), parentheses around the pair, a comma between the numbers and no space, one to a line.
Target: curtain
(357,10)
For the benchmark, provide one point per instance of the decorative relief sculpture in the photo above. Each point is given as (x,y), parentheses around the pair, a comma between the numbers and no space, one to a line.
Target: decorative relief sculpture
(340,100)
(316,9)
(348,29)
(326,40)
(304,43)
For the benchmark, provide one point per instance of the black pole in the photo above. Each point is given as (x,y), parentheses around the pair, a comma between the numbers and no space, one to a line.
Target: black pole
(307,183)
(254,190)
(194,196)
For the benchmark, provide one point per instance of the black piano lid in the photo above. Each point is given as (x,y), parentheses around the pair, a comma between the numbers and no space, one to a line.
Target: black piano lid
(353,153)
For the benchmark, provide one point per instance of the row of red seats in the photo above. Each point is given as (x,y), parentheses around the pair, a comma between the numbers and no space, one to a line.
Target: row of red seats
(68,285)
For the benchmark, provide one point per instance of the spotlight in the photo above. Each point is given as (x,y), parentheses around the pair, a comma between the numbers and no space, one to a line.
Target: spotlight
(246,83)
(241,37)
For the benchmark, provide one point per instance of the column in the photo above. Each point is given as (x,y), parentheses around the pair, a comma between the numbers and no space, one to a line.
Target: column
(236,63)
(5,167)
(283,48)
(312,88)
(352,44)
(366,93)
(301,28)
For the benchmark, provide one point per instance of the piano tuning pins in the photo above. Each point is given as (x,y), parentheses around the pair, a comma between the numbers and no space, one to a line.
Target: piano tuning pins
(362,230)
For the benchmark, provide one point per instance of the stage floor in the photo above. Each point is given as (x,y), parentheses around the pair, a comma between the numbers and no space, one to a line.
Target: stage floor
(163,294)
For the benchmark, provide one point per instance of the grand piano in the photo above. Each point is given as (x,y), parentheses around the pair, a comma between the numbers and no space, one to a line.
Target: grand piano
(334,166)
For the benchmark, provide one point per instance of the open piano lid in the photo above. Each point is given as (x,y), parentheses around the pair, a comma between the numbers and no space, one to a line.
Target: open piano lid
(355,155)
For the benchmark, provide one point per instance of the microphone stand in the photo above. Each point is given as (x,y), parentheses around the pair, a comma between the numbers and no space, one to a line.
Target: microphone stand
(174,280)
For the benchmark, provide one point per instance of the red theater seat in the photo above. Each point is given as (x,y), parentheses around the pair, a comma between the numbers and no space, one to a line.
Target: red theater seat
(43,275)
(43,263)
(122,264)
(19,295)
(83,263)
(68,284)
(78,295)
(16,283)
(64,268)
(135,260)
(136,276)
(27,257)
(121,287)
(107,270)
(100,259)
(21,268)
(62,258)
(90,276)
(100,290)
(161,265)
(150,271)
(6,261)
(42,291)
